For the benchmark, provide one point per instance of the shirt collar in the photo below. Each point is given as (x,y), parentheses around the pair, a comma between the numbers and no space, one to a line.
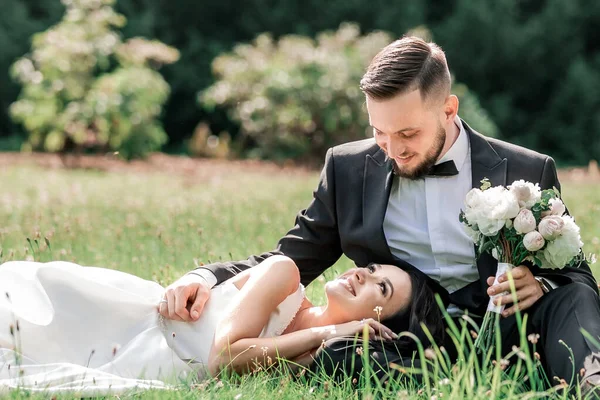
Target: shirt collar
(459,151)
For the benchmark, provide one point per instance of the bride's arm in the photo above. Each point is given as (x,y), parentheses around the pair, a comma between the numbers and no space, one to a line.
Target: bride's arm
(236,345)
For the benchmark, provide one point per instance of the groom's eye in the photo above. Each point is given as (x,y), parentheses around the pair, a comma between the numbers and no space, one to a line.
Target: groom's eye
(371,268)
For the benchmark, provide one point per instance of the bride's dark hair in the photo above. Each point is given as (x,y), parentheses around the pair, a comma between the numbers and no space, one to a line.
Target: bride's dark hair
(422,309)
(341,353)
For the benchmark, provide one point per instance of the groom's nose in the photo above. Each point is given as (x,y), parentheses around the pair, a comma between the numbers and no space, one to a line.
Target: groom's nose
(395,146)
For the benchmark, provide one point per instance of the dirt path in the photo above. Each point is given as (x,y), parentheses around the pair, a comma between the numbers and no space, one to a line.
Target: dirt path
(204,168)
(198,168)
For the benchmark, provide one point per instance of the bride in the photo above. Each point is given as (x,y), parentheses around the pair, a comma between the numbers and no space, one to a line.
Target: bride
(65,328)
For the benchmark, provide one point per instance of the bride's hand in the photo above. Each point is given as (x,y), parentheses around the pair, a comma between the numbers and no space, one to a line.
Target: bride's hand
(185,298)
(376,330)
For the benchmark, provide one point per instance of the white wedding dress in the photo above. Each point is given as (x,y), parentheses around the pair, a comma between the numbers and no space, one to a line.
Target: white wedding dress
(95,331)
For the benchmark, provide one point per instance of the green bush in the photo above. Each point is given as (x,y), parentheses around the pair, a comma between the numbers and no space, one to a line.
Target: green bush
(296,97)
(83,88)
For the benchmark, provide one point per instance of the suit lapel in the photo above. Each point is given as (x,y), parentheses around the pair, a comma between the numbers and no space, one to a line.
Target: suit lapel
(377,185)
(485,163)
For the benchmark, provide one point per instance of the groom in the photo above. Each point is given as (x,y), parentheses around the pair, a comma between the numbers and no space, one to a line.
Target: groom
(398,197)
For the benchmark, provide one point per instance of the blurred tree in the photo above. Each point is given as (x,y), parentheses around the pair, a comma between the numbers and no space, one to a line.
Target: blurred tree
(515,54)
(202,33)
(296,97)
(535,65)
(19,20)
(84,88)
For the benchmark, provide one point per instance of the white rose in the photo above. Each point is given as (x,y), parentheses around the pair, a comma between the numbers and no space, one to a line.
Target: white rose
(473,198)
(490,209)
(475,235)
(495,253)
(524,222)
(533,241)
(527,193)
(491,227)
(557,207)
(563,249)
(473,206)
(551,227)
(499,205)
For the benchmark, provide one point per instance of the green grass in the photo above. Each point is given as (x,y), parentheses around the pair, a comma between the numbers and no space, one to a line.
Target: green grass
(157,226)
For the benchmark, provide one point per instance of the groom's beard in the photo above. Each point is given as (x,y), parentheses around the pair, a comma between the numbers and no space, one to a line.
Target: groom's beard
(431,157)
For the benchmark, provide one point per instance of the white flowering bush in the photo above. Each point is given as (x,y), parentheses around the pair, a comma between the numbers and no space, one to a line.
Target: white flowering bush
(296,97)
(83,87)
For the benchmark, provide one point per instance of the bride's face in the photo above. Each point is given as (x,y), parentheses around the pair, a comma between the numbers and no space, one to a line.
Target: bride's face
(356,294)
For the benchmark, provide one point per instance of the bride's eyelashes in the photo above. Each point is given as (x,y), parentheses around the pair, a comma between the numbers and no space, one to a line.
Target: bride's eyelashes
(371,267)
(383,288)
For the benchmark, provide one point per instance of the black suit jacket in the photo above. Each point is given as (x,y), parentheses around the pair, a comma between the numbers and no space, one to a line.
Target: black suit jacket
(347,211)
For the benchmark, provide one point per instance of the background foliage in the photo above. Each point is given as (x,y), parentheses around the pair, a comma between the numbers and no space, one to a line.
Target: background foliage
(297,97)
(84,88)
(533,64)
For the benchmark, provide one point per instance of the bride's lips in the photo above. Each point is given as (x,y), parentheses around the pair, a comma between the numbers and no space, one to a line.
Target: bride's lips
(348,285)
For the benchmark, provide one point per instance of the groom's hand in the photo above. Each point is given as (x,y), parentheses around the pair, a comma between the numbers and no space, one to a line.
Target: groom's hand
(528,290)
(185,298)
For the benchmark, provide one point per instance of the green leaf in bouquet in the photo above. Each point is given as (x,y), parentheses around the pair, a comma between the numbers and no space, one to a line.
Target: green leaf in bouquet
(556,191)
(487,247)
(520,253)
(547,195)
(537,261)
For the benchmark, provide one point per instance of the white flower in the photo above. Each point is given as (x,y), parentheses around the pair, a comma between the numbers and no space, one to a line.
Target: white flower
(527,193)
(490,209)
(563,249)
(525,221)
(495,253)
(557,207)
(551,227)
(533,241)
(475,235)
(474,198)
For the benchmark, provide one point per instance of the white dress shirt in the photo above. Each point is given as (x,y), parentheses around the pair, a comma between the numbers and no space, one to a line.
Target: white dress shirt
(421,223)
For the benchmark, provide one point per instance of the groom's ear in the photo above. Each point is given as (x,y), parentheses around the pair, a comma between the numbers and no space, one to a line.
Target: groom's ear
(450,108)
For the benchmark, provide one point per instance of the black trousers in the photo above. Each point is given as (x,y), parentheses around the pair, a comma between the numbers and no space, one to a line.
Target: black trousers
(560,316)
(557,316)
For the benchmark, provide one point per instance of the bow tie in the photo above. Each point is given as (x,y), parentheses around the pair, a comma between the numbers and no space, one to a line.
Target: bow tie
(447,168)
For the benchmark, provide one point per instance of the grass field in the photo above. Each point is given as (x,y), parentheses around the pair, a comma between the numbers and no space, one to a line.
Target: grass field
(158,226)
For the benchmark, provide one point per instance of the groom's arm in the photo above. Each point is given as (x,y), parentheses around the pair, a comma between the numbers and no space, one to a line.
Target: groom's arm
(313,243)
(583,273)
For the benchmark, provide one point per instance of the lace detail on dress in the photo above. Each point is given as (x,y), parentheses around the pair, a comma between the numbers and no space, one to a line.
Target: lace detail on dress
(299,304)
(284,314)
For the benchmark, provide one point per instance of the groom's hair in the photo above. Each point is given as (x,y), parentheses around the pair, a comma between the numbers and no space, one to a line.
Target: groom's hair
(404,65)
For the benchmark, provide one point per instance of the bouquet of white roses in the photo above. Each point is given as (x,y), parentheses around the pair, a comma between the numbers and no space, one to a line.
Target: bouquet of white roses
(516,224)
